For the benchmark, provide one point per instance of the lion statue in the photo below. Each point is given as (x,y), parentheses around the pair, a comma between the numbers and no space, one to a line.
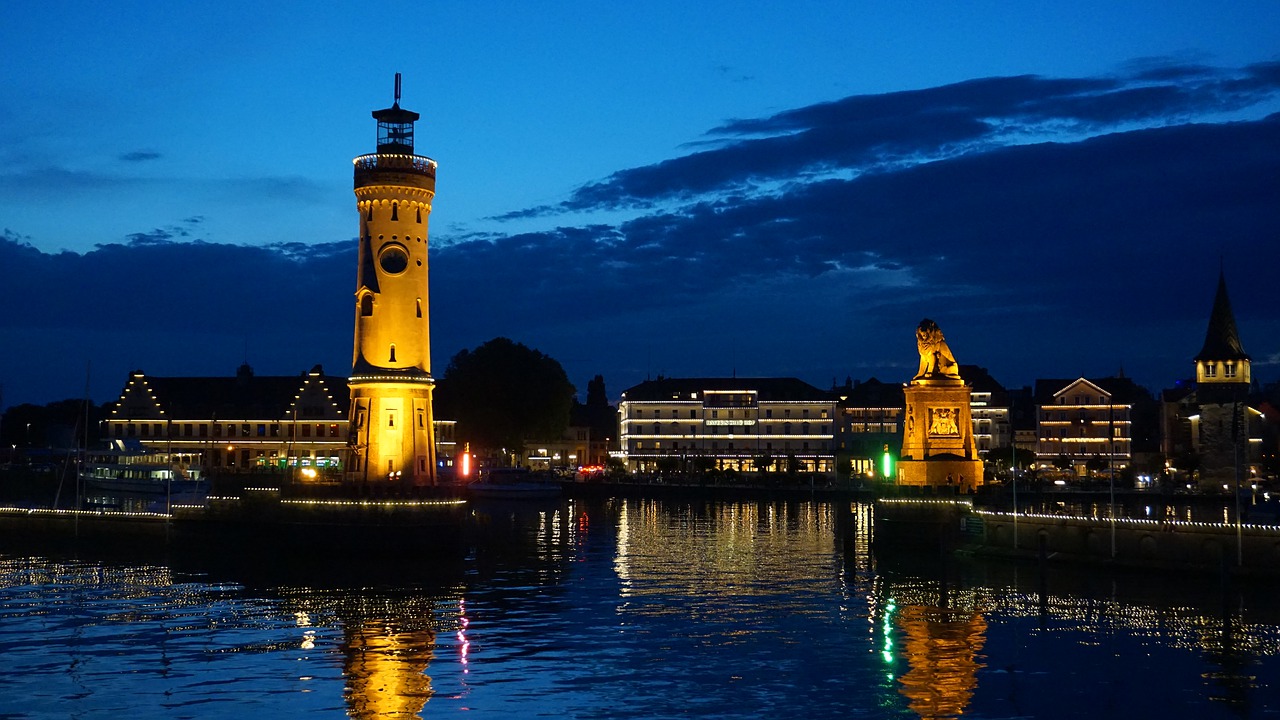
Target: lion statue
(936,359)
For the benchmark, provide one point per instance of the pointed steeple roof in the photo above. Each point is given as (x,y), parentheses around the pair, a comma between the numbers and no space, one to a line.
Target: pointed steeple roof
(1222,341)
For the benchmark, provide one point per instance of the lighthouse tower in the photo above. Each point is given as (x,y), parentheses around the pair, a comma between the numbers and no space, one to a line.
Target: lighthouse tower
(392,438)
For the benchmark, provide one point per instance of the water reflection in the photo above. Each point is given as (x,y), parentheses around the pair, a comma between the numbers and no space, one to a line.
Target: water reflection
(941,647)
(991,638)
(385,666)
(627,609)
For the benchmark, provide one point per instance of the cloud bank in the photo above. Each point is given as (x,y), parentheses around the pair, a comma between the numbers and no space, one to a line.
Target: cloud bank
(1052,227)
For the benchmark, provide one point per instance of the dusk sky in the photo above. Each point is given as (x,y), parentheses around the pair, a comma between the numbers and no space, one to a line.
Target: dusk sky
(686,189)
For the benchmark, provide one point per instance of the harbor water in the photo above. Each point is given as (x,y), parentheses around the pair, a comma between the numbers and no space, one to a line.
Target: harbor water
(630,608)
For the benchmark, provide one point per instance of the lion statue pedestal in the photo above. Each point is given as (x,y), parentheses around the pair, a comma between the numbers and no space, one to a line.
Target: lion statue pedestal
(938,448)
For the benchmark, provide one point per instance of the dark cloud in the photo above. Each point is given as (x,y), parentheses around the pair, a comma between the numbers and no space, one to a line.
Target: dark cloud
(868,132)
(140,156)
(1038,258)
(285,189)
(42,182)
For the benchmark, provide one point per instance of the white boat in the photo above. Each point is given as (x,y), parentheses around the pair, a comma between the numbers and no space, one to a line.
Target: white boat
(127,466)
(513,484)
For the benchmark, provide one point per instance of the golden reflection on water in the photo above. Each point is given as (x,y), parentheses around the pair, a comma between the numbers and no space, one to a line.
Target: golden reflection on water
(942,647)
(385,668)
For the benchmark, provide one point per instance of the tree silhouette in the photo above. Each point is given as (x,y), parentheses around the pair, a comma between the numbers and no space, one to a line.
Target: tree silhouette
(503,394)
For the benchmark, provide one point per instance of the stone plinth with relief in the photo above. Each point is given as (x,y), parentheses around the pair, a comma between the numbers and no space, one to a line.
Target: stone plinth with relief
(938,448)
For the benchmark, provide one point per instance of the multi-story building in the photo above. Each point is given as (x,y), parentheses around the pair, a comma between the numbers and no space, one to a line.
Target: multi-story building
(989,404)
(246,422)
(1084,420)
(870,414)
(743,424)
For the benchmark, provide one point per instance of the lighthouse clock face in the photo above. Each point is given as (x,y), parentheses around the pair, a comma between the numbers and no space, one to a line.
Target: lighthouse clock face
(393,259)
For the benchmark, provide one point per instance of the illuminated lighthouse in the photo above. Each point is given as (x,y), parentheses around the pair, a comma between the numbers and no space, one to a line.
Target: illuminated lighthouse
(392,439)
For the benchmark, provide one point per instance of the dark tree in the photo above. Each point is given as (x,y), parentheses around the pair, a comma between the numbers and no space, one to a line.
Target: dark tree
(1096,464)
(763,462)
(1022,457)
(597,413)
(502,394)
(59,424)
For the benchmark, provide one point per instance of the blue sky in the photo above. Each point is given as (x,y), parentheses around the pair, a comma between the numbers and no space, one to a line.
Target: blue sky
(677,188)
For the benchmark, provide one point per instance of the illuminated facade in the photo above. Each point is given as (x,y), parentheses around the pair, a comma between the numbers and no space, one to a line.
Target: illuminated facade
(938,447)
(742,424)
(244,423)
(990,408)
(870,415)
(1085,419)
(239,423)
(391,419)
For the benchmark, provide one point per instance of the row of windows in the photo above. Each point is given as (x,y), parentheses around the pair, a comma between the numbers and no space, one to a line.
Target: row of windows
(694,413)
(1078,416)
(762,429)
(391,419)
(1084,400)
(874,428)
(872,412)
(660,445)
(366,308)
(1081,450)
(220,430)
(247,458)
(1228,369)
(1062,432)
(1048,434)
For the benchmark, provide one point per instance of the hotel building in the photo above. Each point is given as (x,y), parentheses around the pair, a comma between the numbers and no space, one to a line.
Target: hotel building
(1086,419)
(742,424)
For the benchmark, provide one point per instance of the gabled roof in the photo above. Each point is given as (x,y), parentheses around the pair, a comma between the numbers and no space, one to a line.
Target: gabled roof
(872,394)
(1122,390)
(243,397)
(768,389)
(1222,340)
(979,379)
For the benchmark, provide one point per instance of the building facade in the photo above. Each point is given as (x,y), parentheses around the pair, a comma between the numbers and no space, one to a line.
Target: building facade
(1085,425)
(870,420)
(246,423)
(990,407)
(740,424)
(390,413)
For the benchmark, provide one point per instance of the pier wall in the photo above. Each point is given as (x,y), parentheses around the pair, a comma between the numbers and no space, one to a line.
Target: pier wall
(1150,543)
(955,525)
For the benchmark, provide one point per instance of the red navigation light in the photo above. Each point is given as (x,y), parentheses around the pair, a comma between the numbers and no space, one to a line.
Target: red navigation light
(464,462)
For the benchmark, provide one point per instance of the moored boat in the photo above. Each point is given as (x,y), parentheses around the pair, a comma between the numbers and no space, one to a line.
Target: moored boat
(513,484)
(126,466)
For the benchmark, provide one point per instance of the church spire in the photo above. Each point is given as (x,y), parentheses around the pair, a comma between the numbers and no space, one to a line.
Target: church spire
(1222,340)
